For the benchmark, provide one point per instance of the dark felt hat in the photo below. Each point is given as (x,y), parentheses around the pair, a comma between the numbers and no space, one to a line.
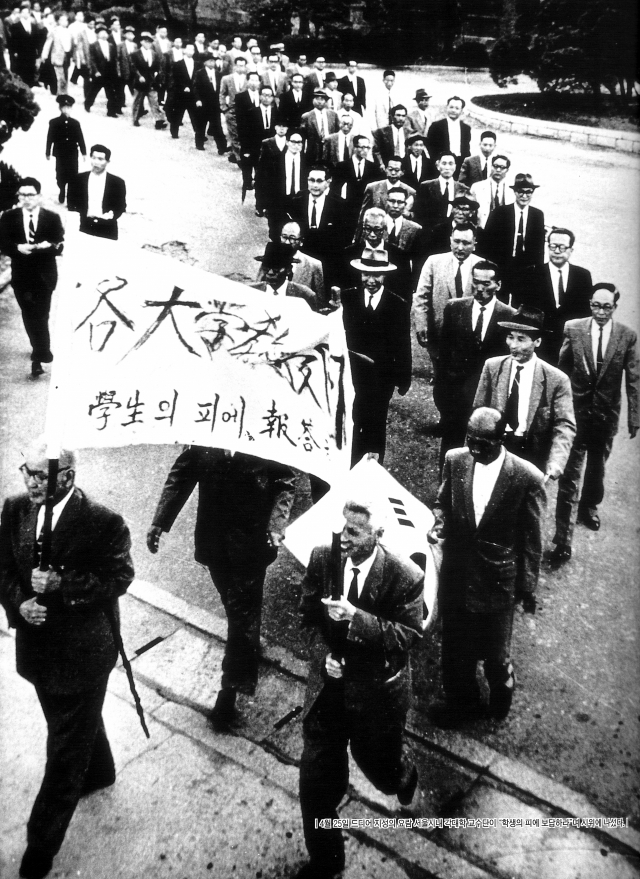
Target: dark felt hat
(277,256)
(526,319)
(523,181)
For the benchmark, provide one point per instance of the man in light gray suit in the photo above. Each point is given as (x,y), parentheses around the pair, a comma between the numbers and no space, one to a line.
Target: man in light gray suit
(230,86)
(444,276)
(533,396)
(596,353)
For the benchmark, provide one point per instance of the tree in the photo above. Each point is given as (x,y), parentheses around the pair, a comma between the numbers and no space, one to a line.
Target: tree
(572,45)
(17,107)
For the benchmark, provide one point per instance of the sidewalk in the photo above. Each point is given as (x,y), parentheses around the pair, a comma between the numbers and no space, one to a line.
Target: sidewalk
(190,802)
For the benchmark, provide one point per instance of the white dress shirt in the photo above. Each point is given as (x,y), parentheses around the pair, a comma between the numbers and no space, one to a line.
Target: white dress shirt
(454,136)
(292,166)
(373,301)
(487,314)
(104,45)
(95,191)
(189,63)
(465,271)
(398,141)
(319,207)
(485,477)
(595,336)
(416,165)
(394,225)
(524,395)
(525,215)
(281,141)
(35,213)
(281,290)
(323,121)
(555,280)
(57,512)
(363,572)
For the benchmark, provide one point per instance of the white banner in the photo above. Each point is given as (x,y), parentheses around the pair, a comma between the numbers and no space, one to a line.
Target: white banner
(151,350)
(406,522)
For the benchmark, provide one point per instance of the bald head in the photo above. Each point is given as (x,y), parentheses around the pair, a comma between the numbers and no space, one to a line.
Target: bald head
(487,421)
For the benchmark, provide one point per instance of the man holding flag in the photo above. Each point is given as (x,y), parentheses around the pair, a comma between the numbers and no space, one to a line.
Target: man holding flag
(65,612)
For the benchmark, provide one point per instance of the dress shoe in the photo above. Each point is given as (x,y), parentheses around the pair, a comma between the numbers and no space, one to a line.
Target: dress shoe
(589,518)
(87,108)
(35,864)
(500,704)
(314,870)
(448,716)
(559,555)
(160,125)
(93,784)
(200,148)
(232,159)
(224,711)
(36,369)
(406,793)
(112,115)
(136,125)
(61,196)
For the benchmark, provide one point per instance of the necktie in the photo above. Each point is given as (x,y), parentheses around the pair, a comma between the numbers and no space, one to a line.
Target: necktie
(322,127)
(345,151)
(370,302)
(599,357)
(32,230)
(352,596)
(314,216)
(292,187)
(496,199)
(458,282)
(513,403)
(520,239)
(561,292)
(359,170)
(479,324)
(484,171)
(390,106)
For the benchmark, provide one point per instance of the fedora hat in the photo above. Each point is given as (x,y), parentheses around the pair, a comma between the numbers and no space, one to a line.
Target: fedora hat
(414,137)
(526,320)
(277,256)
(523,181)
(376,262)
(421,93)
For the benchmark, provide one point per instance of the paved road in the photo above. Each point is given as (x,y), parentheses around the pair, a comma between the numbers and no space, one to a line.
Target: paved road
(576,714)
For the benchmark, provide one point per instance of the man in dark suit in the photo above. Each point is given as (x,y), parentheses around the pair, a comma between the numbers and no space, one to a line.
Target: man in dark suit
(281,178)
(207,93)
(103,64)
(416,167)
(477,168)
(596,354)
(277,271)
(359,685)
(377,323)
(450,134)
(561,290)
(99,197)
(433,198)
(147,75)
(32,237)
(291,102)
(464,210)
(376,193)
(64,139)
(183,93)
(390,141)
(534,397)
(306,270)
(352,84)
(514,237)
(320,216)
(26,40)
(66,620)
(257,125)
(338,147)
(318,124)
(488,513)
(243,508)
(350,180)
(470,335)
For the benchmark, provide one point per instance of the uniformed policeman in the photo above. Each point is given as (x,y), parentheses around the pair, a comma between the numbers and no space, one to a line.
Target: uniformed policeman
(64,139)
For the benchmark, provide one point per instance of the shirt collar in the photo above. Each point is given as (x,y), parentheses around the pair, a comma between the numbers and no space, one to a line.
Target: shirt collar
(364,569)
(486,469)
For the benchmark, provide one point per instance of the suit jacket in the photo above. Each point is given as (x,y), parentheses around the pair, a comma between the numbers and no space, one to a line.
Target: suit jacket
(240,499)
(486,564)
(538,292)
(281,83)
(38,271)
(327,240)
(377,193)
(146,77)
(500,232)
(597,397)
(412,179)
(438,240)
(251,129)
(482,193)
(228,93)
(330,153)
(75,647)
(418,122)
(359,92)
(431,207)
(386,624)
(291,110)
(272,178)
(384,145)
(381,106)
(471,170)
(299,291)
(114,199)
(438,140)
(205,92)
(436,286)
(345,173)
(181,81)
(551,424)
(98,64)
(307,272)
(314,140)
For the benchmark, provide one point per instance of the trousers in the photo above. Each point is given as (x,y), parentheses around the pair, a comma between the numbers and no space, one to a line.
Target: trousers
(35,307)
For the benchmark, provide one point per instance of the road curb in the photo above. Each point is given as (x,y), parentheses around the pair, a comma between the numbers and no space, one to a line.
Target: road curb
(582,135)
(527,784)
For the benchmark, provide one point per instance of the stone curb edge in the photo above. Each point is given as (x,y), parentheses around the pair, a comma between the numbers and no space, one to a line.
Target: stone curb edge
(464,750)
(619,141)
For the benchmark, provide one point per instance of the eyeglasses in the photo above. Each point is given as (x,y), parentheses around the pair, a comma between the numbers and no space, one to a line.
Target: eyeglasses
(316,179)
(39,475)
(295,141)
(524,191)
(27,194)
(369,229)
(289,239)
(559,248)
(598,306)
(397,202)
(499,167)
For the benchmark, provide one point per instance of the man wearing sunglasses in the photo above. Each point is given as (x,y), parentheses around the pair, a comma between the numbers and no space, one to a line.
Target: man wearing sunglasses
(597,352)
(65,619)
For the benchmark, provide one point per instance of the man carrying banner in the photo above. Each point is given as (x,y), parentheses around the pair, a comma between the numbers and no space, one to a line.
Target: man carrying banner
(243,508)
(66,620)
(362,617)
(488,511)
